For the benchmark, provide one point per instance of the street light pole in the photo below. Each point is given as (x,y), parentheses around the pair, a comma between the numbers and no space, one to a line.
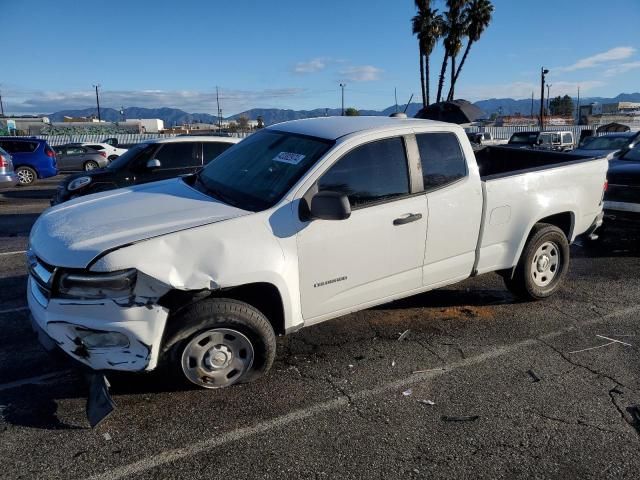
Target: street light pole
(98,101)
(543,72)
(342,85)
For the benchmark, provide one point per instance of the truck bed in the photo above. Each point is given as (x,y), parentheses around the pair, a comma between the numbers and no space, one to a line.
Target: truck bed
(495,162)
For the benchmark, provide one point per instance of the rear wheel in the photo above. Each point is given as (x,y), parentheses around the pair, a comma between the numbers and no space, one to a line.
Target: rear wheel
(26,175)
(221,342)
(90,165)
(543,264)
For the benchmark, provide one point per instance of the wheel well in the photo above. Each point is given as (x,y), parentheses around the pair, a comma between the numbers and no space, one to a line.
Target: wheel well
(564,221)
(263,296)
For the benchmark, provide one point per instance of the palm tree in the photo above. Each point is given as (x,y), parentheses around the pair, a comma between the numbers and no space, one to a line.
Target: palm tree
(427,25)
(477,18)
(452,31)
(457,30)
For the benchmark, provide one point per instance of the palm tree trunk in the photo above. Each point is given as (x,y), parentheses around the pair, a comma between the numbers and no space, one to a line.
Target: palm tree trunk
(453,82)
(427,75)
(464,58)
(443,70)
(424,95)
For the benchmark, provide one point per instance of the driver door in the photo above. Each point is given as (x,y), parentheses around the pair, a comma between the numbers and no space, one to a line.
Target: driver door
(379,250)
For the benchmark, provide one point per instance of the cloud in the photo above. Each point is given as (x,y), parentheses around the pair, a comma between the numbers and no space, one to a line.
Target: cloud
(618,53)
(520,90)
(621,68)
(232,101)
(362,73)
(312,66)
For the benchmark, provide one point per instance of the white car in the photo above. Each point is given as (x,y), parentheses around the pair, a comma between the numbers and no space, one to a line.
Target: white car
(111,152)
(299,223)
(559,141)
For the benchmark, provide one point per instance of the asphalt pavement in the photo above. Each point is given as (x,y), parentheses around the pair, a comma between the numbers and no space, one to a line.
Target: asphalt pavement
(479,386)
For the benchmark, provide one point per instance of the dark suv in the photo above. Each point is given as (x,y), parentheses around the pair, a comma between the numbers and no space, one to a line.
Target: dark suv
(32,158)
(146,162)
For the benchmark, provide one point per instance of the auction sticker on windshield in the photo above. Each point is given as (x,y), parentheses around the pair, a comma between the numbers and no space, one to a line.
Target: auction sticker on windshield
(286,157)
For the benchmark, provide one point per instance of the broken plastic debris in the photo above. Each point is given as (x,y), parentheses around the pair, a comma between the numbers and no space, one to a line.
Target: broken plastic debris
(611,342)
(350,366)
(459,418)
(407,393)
(534,378)
(404,335)
(106,436)
(427,402)
(429,370)
(393,363)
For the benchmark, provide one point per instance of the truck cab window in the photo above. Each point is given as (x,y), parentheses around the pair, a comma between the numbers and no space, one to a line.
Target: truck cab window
(370,173)
(442,159)
(177,155)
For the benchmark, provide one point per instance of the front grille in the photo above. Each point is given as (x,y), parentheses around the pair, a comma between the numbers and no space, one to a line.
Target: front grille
(42,274)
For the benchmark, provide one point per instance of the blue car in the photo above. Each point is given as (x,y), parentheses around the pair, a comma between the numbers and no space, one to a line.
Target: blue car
(32,158)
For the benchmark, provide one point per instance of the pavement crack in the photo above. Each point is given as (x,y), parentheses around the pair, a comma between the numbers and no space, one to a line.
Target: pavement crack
(579,422)
(430,348)
(581,365)
(348,396)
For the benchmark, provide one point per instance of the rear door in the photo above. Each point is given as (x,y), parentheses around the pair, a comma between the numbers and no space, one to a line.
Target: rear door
(378,251)
(73,158)
(455,208)
(22,152)
(176,158)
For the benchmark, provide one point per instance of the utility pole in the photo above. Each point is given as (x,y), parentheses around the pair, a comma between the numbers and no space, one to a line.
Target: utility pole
(395,93)
(1,106)
(532,104)
(578,106)
(219,111)
(342,85)
(98,101)
(543,72)
(548,96)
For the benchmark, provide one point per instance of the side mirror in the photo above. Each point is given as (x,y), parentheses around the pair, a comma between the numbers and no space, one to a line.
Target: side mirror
(153,164)
(330,206)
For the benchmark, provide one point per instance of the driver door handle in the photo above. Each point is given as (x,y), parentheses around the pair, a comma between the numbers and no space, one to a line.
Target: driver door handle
(412,217)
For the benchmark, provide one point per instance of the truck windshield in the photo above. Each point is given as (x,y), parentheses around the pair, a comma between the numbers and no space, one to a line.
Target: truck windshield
(257,172)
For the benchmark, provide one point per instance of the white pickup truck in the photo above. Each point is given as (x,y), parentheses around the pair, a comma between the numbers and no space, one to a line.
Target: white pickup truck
(299,223)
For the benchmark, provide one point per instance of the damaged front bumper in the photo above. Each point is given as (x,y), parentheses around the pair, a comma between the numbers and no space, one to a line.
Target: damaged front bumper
(101,334)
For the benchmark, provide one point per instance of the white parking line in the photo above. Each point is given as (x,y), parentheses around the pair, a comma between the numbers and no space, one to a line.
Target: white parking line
(33,380)
(12,253)
(212,443)
(14,310)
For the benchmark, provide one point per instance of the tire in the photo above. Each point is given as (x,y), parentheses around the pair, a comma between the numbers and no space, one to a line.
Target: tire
(26,175)
(543,264)
(90,165)
(219,342)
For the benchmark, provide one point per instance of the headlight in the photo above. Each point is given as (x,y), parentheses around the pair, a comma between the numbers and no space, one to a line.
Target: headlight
(99,339)
(97,285)
(77,183)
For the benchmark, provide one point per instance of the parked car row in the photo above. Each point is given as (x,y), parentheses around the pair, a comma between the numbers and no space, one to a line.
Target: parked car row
(143,163)
(32,158)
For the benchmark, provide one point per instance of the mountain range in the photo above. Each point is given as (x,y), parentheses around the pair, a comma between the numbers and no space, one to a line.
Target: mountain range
(174,116)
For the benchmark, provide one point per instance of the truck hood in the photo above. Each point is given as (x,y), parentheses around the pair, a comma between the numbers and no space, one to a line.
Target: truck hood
(592,153)
(74,233)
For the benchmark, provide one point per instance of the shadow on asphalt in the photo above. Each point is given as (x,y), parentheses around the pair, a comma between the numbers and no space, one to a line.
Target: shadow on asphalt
(453,298)
(614,241)
(29,193)
(17,224)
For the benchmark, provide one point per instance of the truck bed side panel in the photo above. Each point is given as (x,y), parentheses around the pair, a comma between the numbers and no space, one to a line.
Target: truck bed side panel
(515,203)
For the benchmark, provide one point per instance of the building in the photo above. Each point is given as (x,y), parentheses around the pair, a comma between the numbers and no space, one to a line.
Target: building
(626,113)
(91,119)
(147,125)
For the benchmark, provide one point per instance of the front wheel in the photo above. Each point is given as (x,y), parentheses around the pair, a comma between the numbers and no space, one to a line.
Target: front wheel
(26,175)
(221,342)
(543,264)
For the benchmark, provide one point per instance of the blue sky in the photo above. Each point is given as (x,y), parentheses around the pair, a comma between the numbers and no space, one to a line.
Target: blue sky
(288,54)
